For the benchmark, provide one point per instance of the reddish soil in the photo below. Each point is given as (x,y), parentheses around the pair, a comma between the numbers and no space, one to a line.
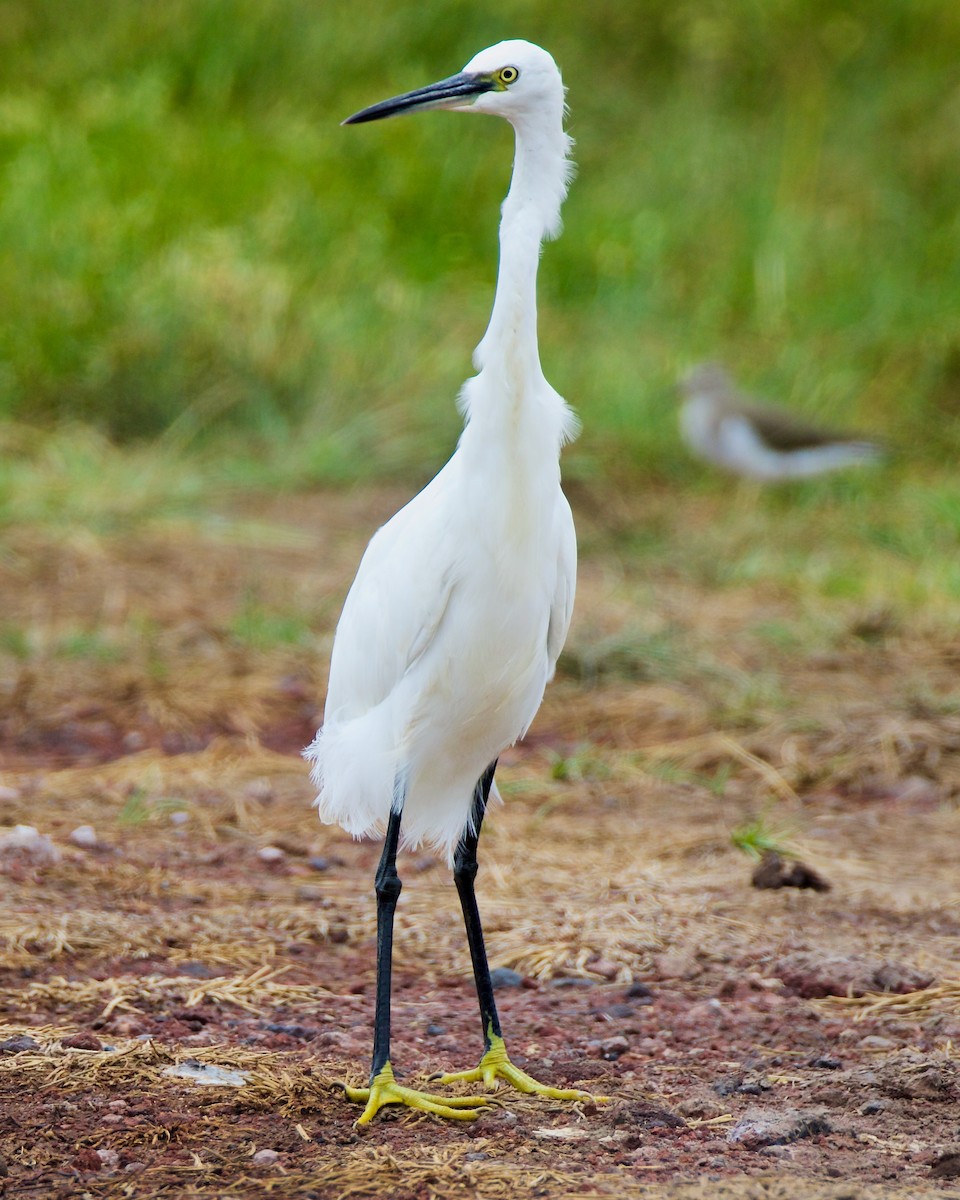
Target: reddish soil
(209,919)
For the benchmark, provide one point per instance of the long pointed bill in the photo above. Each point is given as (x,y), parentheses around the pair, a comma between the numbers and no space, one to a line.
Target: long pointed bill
(456,92)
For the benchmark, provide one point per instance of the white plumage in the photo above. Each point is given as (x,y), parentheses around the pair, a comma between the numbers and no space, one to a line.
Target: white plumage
(462,601)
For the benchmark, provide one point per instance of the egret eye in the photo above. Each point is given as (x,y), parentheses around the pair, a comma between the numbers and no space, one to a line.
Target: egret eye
(507,75)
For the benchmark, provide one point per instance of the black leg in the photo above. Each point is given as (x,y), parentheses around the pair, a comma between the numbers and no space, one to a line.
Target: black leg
(388,890)
(464,874)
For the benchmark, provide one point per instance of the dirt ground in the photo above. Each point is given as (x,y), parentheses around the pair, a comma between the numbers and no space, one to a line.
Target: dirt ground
(187,956)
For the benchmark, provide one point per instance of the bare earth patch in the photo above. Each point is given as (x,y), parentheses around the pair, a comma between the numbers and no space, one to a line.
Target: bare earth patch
(183,985)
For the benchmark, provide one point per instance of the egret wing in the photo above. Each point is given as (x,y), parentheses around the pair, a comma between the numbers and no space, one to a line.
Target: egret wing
(394,608)
(561,610)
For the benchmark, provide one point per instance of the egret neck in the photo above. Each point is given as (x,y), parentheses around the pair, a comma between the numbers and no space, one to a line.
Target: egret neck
(510,401)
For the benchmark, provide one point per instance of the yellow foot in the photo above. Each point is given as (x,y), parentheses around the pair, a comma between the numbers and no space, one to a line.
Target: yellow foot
(496,1064)
(385,1090)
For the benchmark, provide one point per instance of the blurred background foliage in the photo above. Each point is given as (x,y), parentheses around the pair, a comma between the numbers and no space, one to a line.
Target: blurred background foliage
(193,250)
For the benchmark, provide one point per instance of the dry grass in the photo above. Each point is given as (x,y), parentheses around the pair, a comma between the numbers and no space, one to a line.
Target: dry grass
(611,859)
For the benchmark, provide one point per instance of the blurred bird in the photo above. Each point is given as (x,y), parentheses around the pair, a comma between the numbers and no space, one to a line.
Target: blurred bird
(759,441)
(462,601)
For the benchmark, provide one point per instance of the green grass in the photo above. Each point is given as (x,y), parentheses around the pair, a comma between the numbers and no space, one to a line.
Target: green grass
(196,249)
(212,285)
(756,837)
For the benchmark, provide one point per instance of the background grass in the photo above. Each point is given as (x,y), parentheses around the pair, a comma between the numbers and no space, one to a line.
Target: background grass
(193,248)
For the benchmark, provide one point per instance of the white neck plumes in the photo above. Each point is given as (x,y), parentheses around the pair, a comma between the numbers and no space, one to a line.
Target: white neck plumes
(510,385)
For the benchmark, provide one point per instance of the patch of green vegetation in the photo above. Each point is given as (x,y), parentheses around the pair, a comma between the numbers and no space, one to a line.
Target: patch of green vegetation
(90,644)
(260,628)
(756,838)
(672,772)
(584,764)
(15,641)
(140,807)
(195,244)
(629,654)
(213,274)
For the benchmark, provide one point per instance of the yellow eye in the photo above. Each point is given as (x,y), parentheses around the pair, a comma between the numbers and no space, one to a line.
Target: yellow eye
(507,75)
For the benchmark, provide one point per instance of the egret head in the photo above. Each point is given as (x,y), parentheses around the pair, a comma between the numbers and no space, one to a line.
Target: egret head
(512,79)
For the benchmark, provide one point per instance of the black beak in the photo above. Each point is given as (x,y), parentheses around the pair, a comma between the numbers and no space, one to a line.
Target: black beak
(447,93)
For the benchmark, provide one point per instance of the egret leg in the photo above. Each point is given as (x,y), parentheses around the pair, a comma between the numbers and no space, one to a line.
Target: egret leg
(384,1088)
(495,1063)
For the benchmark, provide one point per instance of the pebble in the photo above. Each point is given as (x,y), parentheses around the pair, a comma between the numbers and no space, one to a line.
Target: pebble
(23,841)
(316,862)
(505,977)
(873,1041)
(85,836)
(179,818)
(612,1047)
(109,1158)
(15,1045)
(81,1041)
(259,790)
(271,855)
(265,1158)
(309,892)
(8,794)
(134,1168)
(604,968)
(676,964)
(127,1026)
(772,1127)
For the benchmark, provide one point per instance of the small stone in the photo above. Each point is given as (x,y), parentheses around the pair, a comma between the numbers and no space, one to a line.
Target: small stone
(604,967)
(309,893)
(16,1045)
(109,1158)
(613,1047)
(8,795)
(504,977)
(134,1168)
(639,991)
(23,841)
(126,1026)
(265,1158)
(572,981)
(198,970)
(874,1041)
(873,1107)
(946,1164)
(271,855)
(85,836)
(434,1030)
(676,964)
(87,1159)
(770,1127)
(82,1041)
(705,1109)
(316,862)
(775,872)
(259,790)
(179,818)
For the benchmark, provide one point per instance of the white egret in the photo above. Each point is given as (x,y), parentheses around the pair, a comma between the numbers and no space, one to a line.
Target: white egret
(760,441)
(462,601)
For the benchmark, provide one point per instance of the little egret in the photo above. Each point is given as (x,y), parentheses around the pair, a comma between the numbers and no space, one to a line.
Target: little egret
(760,441)
(462,601)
